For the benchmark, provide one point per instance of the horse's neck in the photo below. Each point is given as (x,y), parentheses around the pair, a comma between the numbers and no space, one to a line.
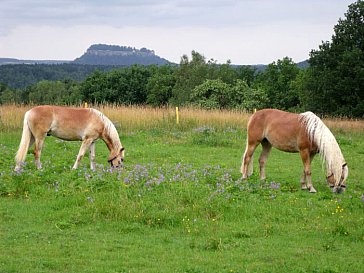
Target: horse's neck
(113,144)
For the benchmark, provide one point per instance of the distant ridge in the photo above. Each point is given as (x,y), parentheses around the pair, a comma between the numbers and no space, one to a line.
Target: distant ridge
(102,54)
(114,55)
(4,61)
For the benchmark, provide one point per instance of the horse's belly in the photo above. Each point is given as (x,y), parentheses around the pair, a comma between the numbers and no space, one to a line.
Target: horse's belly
(289,149)
(285,146)
(69,135)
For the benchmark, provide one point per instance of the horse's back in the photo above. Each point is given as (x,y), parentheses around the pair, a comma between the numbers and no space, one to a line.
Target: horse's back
(67,123)
(270,119)
(282,129)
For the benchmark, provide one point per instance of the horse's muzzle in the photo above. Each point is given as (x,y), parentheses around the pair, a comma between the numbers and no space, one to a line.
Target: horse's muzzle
(339,189)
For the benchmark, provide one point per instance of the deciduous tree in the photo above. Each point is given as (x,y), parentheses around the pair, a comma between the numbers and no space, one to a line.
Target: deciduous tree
(335,81)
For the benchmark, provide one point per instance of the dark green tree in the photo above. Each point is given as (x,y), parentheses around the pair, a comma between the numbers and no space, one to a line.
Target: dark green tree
(8,95)
(225,72)
(335,78)
(189,74)
(247,97)
(277,81)
(125,85)
(246,73)
(3,89)
(212,94)
(93,88)
(135,79)
(54,92)
(160,85)
(47,92)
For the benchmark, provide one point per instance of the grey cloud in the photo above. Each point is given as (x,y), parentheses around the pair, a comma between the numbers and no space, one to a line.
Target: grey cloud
(175,13)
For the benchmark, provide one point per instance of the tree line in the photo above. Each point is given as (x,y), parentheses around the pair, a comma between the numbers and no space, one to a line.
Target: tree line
(194,81)
(332,84)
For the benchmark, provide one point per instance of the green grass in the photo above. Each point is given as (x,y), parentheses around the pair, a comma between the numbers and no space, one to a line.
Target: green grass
(179,205)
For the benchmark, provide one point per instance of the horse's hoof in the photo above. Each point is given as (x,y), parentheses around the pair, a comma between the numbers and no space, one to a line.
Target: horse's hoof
(338,189)
(312,190)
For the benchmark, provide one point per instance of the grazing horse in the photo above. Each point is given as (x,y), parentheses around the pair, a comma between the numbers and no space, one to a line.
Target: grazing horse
(304,133)
(83,124)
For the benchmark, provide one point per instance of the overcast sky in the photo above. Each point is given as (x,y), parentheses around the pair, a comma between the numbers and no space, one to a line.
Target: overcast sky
(245,31)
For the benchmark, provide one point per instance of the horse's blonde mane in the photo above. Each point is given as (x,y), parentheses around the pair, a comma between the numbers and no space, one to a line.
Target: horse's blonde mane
(328,147)
(109,127)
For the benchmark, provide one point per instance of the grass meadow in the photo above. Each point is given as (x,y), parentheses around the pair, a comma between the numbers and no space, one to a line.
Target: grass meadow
(179,204)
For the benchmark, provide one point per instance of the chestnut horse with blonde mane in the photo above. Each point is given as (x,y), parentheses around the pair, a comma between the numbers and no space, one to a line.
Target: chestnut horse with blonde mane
(67,123)
(304,133)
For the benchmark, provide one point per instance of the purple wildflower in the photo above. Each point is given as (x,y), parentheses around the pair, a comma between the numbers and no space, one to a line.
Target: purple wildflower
(126,180)
(87,176)
(204,129)
(160,179)
(275,185)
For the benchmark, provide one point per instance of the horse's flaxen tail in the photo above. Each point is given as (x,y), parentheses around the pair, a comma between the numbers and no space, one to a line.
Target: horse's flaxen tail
(25,143)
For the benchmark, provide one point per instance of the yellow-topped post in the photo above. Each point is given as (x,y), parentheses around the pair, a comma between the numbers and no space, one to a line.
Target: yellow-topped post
(177,115)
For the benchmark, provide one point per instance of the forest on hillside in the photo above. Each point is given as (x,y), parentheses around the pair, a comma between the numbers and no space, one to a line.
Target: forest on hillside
(333,84)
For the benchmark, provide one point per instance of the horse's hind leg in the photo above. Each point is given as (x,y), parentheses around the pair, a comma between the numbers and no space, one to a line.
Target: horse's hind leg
(39,141)
(31,142)
(247,164)
(267,147)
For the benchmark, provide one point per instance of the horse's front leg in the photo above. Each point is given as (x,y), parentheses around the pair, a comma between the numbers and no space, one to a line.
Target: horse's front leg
(303,181)
(309,182)
(84,147)
(306,159)
(92,156)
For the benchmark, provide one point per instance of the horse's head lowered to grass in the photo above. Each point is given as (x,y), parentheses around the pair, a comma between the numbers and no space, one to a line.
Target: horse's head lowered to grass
(339,185)
(116,161)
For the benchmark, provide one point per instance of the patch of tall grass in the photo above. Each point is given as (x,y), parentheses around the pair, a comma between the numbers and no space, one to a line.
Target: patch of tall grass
(131,118)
